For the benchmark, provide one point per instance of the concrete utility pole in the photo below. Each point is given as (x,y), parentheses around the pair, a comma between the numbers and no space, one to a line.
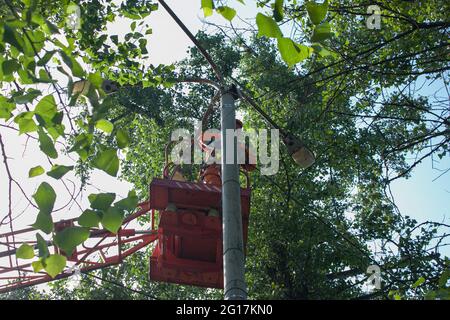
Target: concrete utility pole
(233,242)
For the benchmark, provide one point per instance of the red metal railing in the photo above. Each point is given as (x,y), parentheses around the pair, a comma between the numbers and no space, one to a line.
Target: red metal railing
(101,250)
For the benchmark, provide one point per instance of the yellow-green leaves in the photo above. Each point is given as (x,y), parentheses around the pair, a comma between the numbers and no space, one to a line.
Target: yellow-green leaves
(69,238)
(37,265)
(25,251)
(207,7)
(96,79)
(321,51)
(55,264)
(226,12)
(26,125)
(46,108)
(104,125)
(267,26)
(107,161)
(418,283)
(321,32)
(292,52)
(35,171)
(317,11)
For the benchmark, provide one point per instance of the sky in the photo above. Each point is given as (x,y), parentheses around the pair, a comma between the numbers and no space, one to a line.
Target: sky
(419,197)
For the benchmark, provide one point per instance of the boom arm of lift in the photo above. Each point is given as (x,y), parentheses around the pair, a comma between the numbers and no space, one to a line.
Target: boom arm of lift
(106,250)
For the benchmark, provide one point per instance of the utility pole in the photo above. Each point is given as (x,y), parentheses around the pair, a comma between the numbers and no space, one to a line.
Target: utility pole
(233,242)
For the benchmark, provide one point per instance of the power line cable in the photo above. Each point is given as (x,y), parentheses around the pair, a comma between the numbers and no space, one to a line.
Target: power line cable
(121,286)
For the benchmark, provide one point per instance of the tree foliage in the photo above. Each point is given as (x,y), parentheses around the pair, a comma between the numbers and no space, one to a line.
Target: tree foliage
(350,92)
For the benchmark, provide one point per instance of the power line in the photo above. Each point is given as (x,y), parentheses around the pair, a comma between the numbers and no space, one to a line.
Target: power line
(121,286)
(194,40)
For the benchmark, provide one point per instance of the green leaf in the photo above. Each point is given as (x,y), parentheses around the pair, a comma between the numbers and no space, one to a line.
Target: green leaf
(101,201)
(46,108)
(226,12)
(83,140)
(10,66)
(321,32)
(29,96)
(6,108)
(419,281)
(267,27)
(321,51)
(69,238)
(292,52)
(73,64)
(122,138)
(35,171)
(129,203)
(443,279)
(207,6)
(112,219)
(89,219)
(10,36)
(55,264)
(278,10)
(46,58)
(44,222)
(59,171)
(45,197)
(25,251)
(56,131)
(27,125)
(107,161)
(46,144)
(37,265)
(42,246)
(115,39)
(96,79)
(51,27)
(317,11)
(104,125)
(44,77)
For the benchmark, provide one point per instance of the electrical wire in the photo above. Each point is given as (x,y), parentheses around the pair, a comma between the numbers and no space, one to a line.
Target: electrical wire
(122,286)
